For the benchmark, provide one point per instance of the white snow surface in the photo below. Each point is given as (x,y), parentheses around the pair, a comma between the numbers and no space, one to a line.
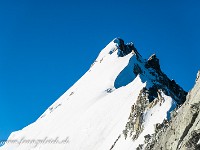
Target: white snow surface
(94,111)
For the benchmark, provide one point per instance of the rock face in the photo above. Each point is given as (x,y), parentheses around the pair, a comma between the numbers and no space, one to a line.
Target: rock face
(151,95)
(182,132)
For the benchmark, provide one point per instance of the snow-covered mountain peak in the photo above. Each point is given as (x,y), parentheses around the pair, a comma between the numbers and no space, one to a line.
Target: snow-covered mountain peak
(118,45)
(118,100)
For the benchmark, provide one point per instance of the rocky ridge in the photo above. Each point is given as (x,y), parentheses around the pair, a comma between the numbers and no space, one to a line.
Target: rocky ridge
(150,95)
(182,132)
(152,66)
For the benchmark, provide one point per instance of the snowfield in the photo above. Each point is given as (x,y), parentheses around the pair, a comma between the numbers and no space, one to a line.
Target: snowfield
(92,114)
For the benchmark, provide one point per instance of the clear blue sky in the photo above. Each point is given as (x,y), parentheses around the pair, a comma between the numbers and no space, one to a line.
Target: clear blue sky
(46,46)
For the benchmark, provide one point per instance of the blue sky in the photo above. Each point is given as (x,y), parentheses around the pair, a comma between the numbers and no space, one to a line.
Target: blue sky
(46,46)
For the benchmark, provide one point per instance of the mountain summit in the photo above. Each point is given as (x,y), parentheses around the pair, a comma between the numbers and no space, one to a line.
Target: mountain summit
(114,105)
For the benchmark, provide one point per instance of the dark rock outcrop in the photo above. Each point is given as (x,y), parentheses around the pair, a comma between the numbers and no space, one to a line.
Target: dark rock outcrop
(153,62)
(125,49)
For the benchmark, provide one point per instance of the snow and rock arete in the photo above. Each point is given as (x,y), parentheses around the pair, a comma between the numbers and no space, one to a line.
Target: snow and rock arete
(114,105)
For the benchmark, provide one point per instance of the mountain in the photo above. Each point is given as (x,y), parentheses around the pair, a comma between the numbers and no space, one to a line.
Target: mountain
(115,105)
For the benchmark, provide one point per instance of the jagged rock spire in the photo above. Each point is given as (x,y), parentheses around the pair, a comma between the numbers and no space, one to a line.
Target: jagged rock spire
(153,62)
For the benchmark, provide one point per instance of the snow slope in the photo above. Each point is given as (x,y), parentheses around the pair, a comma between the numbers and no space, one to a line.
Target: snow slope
(92,114)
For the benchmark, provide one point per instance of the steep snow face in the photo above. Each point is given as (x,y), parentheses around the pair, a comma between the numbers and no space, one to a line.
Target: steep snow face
(93,113)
